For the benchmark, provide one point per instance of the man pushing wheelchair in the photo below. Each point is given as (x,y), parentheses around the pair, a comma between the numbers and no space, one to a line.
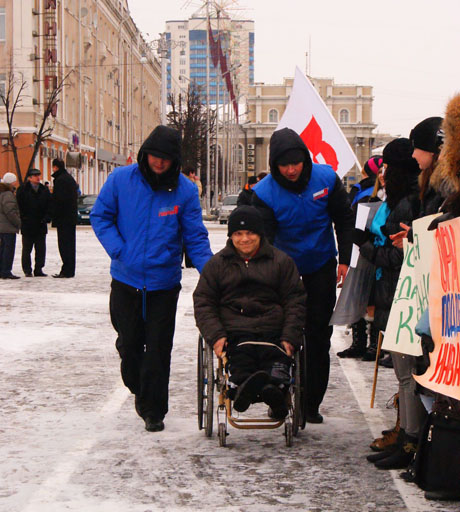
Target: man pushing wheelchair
(250,304)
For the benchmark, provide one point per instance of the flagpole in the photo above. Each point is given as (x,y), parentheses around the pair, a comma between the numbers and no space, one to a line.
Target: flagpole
(208,159)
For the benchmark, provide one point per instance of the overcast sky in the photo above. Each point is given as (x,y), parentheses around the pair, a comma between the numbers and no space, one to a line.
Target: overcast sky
(408,50)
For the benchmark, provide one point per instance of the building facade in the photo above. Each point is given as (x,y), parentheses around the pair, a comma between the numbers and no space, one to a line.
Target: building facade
(351,106)
(110,99)
(189,53)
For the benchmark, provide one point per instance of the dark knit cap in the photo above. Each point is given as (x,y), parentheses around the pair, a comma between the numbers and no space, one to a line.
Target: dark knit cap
(246,218)
(398,153)
(252,180)
(373,165)
(291,156)
(427,135)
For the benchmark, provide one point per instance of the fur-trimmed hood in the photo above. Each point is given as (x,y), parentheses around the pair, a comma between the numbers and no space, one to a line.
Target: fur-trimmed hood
(447,172)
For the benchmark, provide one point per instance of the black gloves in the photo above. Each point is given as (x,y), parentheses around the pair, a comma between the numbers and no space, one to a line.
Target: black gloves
(360,237)
(441,218)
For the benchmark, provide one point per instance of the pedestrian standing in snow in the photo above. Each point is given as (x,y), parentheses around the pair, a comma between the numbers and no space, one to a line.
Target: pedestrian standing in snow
(10,222)
(401,205)
(142,215)
(300,203)
(250,303)
(65,216)
(361,193)
(34,201)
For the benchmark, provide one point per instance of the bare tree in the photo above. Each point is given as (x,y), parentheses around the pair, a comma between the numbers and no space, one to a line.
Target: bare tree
(12,98)
(188,116)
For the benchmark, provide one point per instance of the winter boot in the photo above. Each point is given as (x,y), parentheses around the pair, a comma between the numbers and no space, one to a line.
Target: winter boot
(401,458)
(387,361)
(358,345)
(276,400)
(389,450)
(389,437)
(371,351)
(247,392)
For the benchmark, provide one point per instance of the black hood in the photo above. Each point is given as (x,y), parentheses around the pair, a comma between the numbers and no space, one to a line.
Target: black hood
(280,142)
(164,142)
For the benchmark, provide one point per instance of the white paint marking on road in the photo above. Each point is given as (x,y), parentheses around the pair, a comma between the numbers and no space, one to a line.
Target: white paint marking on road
(410,493)
(58,479)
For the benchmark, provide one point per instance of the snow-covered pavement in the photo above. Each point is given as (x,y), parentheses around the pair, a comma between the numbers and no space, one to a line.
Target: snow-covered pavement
(71,441)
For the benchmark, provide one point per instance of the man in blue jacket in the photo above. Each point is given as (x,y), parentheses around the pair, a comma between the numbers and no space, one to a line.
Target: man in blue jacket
(142,216)
(300,203)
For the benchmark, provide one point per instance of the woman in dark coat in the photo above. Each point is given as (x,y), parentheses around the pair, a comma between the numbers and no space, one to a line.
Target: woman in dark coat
(401,206)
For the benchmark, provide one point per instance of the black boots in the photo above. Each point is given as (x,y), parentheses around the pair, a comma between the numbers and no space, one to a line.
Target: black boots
(401,458)
(247,392)
(358,346)
(371,351)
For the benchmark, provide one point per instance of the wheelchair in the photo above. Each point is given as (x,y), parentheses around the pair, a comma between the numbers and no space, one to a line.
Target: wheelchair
(209,378)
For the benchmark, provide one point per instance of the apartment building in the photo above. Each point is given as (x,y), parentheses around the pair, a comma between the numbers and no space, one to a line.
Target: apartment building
(189,50)
(111,97)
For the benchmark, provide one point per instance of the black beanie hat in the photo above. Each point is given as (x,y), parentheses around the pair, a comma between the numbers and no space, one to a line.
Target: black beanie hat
(291,156)
(398,153)
(372,166)
(427,135)
(246,218)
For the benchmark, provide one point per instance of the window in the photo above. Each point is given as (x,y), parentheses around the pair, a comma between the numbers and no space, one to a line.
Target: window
(344,116)
(182,72)
(2,24)
(183,62)
(273,116)
(2,86)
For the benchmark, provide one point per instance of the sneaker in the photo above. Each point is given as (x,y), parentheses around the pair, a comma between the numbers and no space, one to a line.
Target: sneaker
(275,399)
(247,391)
(152,425)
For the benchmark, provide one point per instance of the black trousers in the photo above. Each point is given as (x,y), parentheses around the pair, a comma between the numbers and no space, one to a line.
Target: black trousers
(66,236)
(321,295)
(245,359)
(145,325)
(7,250)
(28,243)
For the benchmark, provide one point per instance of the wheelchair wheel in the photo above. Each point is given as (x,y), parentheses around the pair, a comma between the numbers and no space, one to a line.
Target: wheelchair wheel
(288,433)
(296,398)
(222,432)
(303,383)
(205,386)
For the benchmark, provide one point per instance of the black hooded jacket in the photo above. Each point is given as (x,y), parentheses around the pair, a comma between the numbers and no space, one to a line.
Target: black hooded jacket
(338,205)
(163,142)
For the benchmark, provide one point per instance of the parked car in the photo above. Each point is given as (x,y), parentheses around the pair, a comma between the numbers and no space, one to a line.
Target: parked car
(228,205)
(85,204)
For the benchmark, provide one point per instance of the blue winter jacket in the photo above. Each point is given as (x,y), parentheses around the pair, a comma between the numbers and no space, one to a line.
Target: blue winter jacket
(304,226)
(143,229)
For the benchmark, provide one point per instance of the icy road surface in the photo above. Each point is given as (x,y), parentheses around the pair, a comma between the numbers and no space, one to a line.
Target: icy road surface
(71,441)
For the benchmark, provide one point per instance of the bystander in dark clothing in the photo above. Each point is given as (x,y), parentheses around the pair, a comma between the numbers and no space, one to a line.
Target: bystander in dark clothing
(10,222)
(34,201)
(245,196)
(65,216)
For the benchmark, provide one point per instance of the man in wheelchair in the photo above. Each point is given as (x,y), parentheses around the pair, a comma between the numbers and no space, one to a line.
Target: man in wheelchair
(250,304)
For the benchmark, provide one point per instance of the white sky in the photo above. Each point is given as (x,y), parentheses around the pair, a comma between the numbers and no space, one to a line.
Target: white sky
(406,49)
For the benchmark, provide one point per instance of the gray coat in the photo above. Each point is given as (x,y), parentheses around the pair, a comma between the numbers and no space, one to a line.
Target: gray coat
(10,220)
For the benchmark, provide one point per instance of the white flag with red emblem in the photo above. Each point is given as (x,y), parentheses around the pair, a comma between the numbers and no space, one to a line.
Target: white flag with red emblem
(307,114)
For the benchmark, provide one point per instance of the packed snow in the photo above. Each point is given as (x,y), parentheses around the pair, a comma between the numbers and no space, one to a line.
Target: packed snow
(71,440)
